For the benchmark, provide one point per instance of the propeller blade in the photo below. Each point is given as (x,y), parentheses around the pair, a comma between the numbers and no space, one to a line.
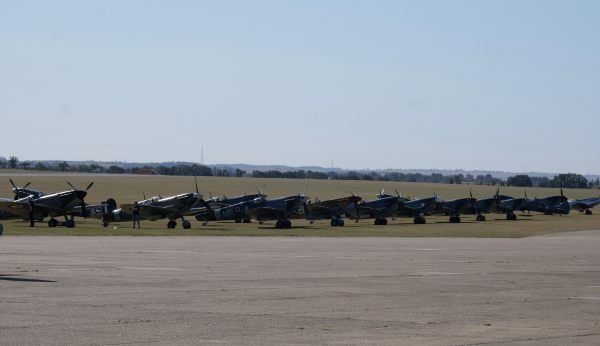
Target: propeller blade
(471,193)
(196,181)
(16,189)
(205,204)
(144,194)
(90,185)
(29,183)
(71,185)
(356,209)
(306,214)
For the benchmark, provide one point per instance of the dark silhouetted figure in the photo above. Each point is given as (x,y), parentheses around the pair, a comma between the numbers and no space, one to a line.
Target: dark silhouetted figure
(135,212)
(30,211)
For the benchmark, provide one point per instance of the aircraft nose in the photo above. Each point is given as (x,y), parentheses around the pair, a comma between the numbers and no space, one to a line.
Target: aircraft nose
(80,194)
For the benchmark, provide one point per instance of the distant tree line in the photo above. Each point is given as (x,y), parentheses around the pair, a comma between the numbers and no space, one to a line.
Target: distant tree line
(569,180)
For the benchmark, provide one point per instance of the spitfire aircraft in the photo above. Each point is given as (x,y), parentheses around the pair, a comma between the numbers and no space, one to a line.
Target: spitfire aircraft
(52,205)
(378,209)
(509,206)
(417,208)
(172,208)
(455,207)
(584,205)
(332,209)
(487,205)
(282,210)
(549,205)
(220,202)
(391,206)
(237,212)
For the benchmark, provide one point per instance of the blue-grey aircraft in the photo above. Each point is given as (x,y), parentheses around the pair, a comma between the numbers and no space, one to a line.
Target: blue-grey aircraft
(391,206)
(454,208)
(488,205)
(50,205)
(584,205)
(281,210)
(238,211)
(548,205)
(332,209)
(509,206)
(220,202)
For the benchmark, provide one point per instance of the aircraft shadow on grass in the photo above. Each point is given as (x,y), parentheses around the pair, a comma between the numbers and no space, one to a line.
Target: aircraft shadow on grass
(13,277)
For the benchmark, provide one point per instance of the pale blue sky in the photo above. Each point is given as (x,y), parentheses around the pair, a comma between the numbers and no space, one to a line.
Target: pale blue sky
(504,85)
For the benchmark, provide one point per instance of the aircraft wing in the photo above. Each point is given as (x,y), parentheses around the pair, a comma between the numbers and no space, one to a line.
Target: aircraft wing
(152,212)
(267,213)
(21,209)
(322,212)
(585,204)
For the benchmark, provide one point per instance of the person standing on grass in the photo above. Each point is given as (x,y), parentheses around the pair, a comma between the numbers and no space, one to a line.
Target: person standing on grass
(135,212)
(30,213)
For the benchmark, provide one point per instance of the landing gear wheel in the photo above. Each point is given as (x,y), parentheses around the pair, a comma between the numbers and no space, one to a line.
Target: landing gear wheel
(246,221)
(380,222)
(480,217)
(186,225)
(69,223)
(333,223)
(419,220)
(340,223)
(171,224)
(588,212)
(104,223)
(511,216)
(52,223)
(238,221)
(279,224)
(287,224)
(454,219)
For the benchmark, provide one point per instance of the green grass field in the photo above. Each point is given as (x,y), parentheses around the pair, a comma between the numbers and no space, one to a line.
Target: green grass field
(126,189)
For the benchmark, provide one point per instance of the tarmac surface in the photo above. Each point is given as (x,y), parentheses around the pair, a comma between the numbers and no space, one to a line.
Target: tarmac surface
(237,290)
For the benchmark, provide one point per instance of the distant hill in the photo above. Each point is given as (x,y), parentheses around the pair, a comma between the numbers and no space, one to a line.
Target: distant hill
(283,168)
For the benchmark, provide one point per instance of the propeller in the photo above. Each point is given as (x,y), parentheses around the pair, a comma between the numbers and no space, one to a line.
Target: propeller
(472,200)
(306,213)
(144,194)
(17,188)
(81,197)
(397,193)
(89,185)
(196,181)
